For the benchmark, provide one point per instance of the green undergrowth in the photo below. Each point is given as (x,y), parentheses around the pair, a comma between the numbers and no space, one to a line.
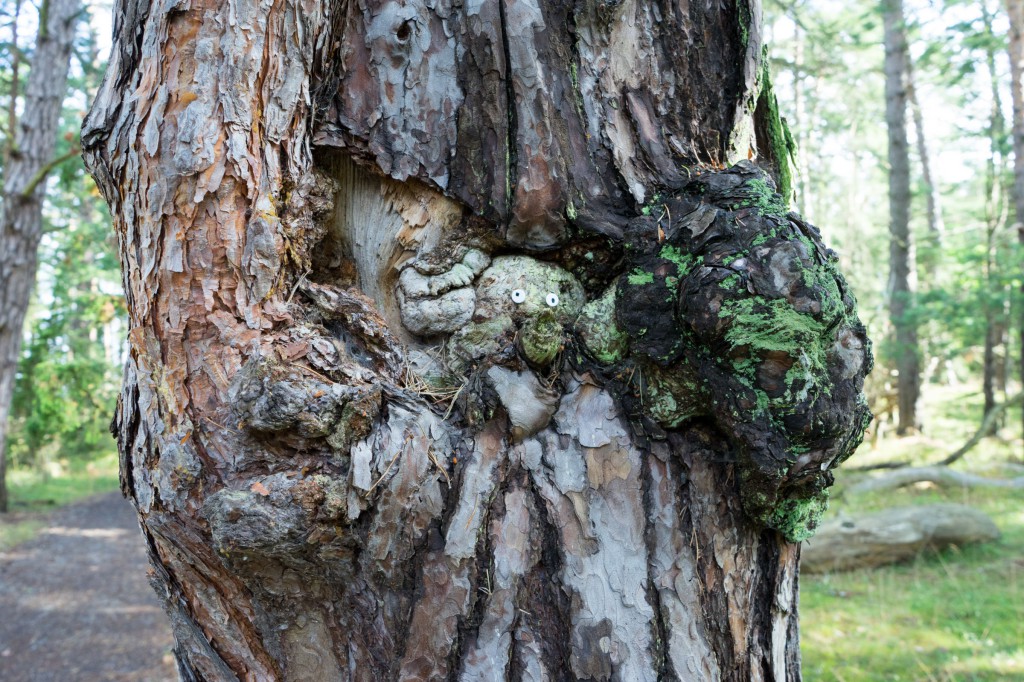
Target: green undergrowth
(956,615)
(33,493)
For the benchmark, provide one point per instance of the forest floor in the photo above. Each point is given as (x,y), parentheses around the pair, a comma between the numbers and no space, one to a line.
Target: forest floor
(76,604)
(956,616)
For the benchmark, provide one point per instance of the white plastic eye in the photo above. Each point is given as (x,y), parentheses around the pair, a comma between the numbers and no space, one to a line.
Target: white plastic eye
(551,299)
(518,296)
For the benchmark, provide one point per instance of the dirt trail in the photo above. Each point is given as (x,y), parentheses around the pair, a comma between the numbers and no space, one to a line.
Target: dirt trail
(75,604)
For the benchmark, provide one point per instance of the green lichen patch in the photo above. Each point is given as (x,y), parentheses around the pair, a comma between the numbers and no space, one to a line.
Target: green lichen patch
(766,325)
(797,519)
(781,150)
(541,339)
(670,397)
(599,332)
(684,261)
(478,340)
(639,277)
(758,194)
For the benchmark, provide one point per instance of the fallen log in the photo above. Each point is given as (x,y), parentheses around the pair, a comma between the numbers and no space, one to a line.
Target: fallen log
(893,535)
(939,475)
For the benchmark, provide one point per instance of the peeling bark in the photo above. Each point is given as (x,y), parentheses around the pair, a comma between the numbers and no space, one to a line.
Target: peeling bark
(368,421)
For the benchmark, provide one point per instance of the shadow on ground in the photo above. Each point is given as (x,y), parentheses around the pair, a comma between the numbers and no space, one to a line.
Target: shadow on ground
(76,605)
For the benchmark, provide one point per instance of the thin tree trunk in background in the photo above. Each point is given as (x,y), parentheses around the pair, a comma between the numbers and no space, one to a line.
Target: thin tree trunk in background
(799,119)
(12,105)
(21,223)
(995,324)
(1015,10)
(370,435)
(932,201)
(902,269)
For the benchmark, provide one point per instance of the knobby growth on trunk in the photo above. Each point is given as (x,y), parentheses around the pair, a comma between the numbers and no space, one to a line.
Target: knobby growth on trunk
(456,353)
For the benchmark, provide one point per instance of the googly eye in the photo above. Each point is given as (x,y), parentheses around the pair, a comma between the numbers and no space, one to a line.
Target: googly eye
(551,299)
(518,296)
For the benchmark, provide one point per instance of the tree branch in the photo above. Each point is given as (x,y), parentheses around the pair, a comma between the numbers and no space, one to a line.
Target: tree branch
(45,170)
(983,430)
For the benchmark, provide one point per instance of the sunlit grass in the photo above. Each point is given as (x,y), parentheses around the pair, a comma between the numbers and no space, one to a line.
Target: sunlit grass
(34,492)
(958,615)
(17,530)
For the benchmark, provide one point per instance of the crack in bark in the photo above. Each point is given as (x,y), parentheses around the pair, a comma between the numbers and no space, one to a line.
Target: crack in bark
(512,131)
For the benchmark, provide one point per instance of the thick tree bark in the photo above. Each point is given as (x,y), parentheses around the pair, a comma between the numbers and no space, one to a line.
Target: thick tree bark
(902,270)
(454,354)
(21,222)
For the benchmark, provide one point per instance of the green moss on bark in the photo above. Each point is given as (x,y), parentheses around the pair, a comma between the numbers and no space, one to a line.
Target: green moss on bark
(639,278)
(781,145)
(797,519)
(541,339)
(600,333)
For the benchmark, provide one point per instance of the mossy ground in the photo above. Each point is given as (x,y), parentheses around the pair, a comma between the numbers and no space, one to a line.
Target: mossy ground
(958,615)
(32,494)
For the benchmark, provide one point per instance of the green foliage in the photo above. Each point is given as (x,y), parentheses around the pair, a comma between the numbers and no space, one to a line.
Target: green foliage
(63,484)
(67,376)
(35,491)
(68,372)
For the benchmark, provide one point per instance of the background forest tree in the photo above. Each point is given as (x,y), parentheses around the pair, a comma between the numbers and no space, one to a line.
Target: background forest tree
(67,368)
(829,66)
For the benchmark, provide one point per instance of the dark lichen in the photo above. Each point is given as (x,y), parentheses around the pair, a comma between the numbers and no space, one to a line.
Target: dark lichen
(730,287)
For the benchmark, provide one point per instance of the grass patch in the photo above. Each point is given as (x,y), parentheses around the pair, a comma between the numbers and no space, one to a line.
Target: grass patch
(958,615)
(17,529)
(33,493)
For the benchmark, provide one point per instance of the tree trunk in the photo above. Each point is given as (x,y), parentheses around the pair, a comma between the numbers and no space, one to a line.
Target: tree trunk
(453,352)
(902,269)
(1015,10)
(932,203)
(995,327)
(21,222)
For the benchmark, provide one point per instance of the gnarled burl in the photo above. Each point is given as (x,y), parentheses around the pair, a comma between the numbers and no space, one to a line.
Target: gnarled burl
(456,350)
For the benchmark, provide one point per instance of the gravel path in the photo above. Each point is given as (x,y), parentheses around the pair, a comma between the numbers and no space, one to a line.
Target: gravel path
(75,604)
